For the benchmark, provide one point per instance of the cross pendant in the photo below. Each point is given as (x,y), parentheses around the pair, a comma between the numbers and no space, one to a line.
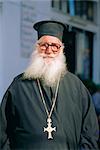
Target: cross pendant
(49,129)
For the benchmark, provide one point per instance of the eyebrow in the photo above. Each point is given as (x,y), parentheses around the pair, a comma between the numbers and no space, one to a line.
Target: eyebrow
(42,42)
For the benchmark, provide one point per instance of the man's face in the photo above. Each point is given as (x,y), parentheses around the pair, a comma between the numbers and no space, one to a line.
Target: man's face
(47,61)
(49,47)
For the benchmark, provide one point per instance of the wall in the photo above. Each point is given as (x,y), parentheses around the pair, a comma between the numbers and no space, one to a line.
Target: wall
(96,52)
(13,57)
(11,61)
(1,52)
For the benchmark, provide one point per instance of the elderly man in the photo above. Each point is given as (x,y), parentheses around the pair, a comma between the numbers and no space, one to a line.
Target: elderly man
(47,107)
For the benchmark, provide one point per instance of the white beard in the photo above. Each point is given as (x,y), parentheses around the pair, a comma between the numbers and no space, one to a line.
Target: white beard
(48,72)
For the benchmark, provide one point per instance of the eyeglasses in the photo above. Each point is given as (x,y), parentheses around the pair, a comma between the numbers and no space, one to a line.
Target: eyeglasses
(54,46)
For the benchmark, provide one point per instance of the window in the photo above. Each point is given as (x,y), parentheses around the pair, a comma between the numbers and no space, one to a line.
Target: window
(81,8)
(84,9)
(60,5)
(84,51)
(56,4)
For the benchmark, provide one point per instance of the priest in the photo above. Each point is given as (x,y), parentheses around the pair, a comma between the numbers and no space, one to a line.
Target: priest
(46,107)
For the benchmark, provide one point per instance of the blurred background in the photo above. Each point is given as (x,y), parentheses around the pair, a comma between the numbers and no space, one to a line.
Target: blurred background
(82,38)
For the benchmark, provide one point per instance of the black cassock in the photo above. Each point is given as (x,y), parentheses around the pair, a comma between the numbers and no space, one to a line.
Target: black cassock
(23,116)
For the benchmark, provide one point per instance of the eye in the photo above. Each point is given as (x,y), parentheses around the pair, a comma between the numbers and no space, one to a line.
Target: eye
(43,46)
(55,46)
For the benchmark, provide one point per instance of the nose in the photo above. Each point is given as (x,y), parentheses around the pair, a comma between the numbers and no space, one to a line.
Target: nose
(48,50)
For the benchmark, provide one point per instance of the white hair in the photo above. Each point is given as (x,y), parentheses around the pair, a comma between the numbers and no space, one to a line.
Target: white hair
(49,73)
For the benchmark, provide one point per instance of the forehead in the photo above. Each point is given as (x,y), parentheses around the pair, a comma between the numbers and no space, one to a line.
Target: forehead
(49,39)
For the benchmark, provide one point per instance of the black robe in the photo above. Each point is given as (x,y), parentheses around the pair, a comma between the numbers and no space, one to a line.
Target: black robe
(23,116)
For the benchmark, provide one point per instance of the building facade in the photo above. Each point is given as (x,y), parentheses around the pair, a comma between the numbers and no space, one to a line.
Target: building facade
(82,38)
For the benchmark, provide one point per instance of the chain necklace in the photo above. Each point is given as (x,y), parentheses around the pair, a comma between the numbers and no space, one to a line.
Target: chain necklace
(49,129)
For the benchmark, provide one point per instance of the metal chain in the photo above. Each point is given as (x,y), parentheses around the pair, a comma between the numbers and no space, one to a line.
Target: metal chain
(43,100)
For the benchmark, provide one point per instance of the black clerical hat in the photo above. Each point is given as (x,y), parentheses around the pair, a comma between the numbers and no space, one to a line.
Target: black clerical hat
(49,27)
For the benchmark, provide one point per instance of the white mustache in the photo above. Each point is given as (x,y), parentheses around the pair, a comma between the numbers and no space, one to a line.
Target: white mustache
(47,56)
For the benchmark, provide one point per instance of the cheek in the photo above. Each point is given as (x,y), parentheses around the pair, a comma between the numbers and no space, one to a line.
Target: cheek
(51,54)
(57,53)
(41,51)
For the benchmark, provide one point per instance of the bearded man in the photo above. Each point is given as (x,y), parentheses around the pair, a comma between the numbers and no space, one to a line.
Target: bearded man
(47,107)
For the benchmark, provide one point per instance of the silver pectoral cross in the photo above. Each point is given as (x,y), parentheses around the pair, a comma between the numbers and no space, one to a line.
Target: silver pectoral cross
(49,129)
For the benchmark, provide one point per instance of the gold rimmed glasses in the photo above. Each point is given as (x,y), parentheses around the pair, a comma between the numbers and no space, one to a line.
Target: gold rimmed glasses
(54,46)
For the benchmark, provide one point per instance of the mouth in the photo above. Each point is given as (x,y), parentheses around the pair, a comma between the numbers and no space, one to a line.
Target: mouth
(48,59)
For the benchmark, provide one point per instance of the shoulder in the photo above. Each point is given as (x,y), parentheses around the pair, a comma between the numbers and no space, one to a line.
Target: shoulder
(72,78)
(10,88)
(16,85)
(73,82)
(17,81)
(18,77)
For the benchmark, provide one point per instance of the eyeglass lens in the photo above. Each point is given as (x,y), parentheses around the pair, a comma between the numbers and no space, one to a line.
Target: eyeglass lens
(54,46)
